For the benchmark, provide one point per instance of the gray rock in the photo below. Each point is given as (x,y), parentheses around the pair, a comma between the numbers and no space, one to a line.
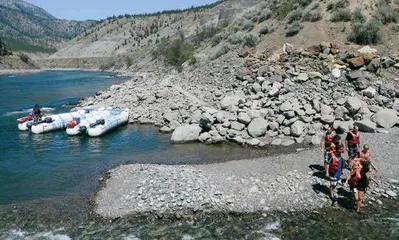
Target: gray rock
(288,142)
(231,100)
(340,112)
(204,136)
(186,133)
(336,72)
(385,118)
(326,110)
(369,92)
(361,83)
(315,75)
(276,142)
(256,87)
(297,128)
(387,63)
(302,77)
(353,104)
(329,119)
(316,105)
(243,118)
(286,106)
(392,194)
(274,126)
(387,90)
(217,93)
(165,129)
(366,125)
(395,105)
(221,116)
(253,142)
(275,89)
(237,126)
(257,127)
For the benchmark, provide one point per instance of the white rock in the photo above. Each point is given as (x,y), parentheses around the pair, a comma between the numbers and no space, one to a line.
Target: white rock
(367,49)
(297,128)
(369,92)
(204,136)
(353,104)
(237,126)
(257,127)
(253,142)
(231,100)
(385,118)
(391,194)
(336,72)
(243,118)
(186,133)
(302,77)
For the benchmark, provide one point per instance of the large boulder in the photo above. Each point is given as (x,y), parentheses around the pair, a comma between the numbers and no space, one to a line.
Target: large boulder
(186,133)
(257,127)
(297,128)
(385,118)
(353,104)
(366,125)
(396,105)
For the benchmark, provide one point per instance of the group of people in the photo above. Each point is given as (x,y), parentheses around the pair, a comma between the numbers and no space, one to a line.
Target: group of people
(358,163)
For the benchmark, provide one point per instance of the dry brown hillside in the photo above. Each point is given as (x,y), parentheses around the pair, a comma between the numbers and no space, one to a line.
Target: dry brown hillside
(210,32)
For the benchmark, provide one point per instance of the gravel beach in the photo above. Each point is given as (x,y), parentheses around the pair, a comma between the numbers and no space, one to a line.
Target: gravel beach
(287,182)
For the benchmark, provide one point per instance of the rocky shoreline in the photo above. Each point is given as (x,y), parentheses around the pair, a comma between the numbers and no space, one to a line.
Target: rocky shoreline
(287,182)
(265,98)
(19,71)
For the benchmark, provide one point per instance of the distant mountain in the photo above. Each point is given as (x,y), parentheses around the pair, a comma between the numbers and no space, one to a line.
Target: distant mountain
(26,27)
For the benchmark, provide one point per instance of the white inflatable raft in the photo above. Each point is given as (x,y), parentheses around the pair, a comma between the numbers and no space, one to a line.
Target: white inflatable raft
(78,126)
(56,122)
(116,119)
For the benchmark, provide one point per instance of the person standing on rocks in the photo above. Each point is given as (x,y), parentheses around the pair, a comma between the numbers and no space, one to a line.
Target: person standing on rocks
(326,144)
(358,181)
(334,170)
(352,143)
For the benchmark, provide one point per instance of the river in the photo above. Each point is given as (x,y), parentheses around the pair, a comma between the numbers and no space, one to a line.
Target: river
(46,181)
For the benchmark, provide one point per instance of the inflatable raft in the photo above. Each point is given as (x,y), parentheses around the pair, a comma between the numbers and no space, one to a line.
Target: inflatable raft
(80,125)
(55,122)
(116,118)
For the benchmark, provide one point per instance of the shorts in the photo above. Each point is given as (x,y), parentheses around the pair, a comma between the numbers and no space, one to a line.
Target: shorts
(356,189)
(334,181)
(352,151)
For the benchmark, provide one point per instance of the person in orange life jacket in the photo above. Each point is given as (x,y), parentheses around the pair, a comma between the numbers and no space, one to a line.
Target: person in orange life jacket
(325,143)
(334,170)
(352,142)
(358,181)
(36,113)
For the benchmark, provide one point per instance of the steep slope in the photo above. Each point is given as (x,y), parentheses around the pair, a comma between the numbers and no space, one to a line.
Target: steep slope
(26,27)
(229,25)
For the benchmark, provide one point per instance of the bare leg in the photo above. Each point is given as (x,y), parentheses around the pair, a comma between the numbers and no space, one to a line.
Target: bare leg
(359,201)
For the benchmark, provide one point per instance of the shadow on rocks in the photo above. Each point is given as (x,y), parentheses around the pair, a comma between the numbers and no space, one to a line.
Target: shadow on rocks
(320,174)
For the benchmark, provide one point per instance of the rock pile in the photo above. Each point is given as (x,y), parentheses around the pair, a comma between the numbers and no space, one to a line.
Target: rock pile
(294,96)
(267,98)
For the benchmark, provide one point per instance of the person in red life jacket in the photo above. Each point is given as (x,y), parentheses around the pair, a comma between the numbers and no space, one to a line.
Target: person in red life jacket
(365,153)
(334,170)
(36,113)
(352,142)
(358,181)
(326,144)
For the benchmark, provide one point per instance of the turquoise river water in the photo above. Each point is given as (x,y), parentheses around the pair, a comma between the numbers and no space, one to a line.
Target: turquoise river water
(46,180)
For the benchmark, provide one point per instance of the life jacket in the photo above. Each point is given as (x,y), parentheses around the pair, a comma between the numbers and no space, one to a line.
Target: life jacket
(354,181)
(334,164)
(354,139)
(36,111)
(73,123)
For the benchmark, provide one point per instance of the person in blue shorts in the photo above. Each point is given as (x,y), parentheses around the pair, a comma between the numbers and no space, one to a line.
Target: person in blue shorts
(334,170)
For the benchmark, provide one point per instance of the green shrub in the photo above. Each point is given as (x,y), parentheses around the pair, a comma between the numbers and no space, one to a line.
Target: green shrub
(366,33)
(24,58)
(109,63)
(293,29)
(176,53)
(218,38)
(266,14)
(357,16)
(247,39)
(294,15)
(264,30)
(205,33)
(316,5)
(286,7)
(386,14)
(342,15)
(219,51)
(312,16)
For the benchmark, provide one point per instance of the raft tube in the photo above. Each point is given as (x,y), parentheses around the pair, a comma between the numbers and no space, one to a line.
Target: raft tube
(56,122)
(116,119)
(79,126)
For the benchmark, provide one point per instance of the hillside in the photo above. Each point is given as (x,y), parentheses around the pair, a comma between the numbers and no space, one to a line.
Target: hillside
(25,27)
(215,30)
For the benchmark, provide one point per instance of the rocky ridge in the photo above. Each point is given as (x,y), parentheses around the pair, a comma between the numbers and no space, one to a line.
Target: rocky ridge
(260,98)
